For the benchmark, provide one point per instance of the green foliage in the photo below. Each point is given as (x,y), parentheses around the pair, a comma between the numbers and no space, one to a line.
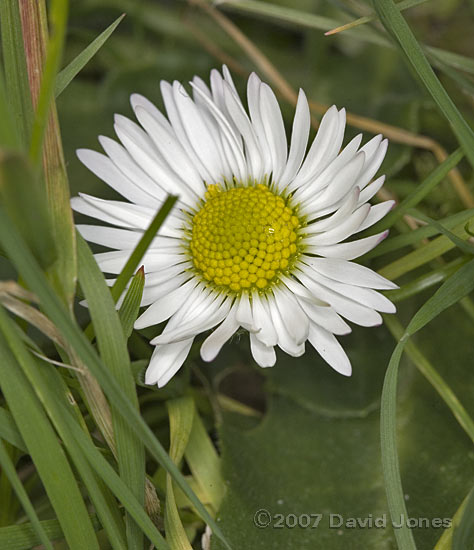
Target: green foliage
(82,439)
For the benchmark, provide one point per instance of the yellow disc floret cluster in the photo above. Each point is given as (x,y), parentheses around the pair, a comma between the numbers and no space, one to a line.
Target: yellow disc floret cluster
(244,237)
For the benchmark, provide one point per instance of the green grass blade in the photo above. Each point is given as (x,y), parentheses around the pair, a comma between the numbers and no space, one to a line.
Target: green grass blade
(142,246)
(453,290)
(9,469)
(24,536)
(16,74)
(113,351)
(78,63)
(8,133)
(420,192)
(46,453)
(181,413)
(130,307)
(396,25)
(464,532)
(27,266)
(58,16)
(464,246)
(9,431)
(388,442)
(395,243)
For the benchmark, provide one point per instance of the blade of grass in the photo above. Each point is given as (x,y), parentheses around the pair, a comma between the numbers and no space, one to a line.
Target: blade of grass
(9,469)
(16,75)
(8,133)
(464,532)
(130,307)
(396,25)
(113,351)
(9,430)
(25,263)
(420,192)
(455,288)
(58,17)
(465,246)
(66,75)
(46,453)
(181,413)
(24,536)
(407,239)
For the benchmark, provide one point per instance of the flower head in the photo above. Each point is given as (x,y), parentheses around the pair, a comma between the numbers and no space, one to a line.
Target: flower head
(259,236)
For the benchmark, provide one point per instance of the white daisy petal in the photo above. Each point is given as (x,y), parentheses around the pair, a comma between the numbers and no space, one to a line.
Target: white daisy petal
(214,342)
(330,350)
(264,356)
(261,236)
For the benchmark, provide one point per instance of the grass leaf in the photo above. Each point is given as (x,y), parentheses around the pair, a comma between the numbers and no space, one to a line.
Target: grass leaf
(130,307)
(9,431)
(67,74)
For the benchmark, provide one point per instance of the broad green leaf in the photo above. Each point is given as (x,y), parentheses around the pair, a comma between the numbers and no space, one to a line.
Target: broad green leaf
(34,278)
(113,351)
(9,469)
(67,74)
(130,307)
(464,532)
(396,25)
(45,451)
(17,90)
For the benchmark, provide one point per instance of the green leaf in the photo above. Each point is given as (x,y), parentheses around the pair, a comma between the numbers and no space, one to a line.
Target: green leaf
(464,532)
(17,89)
(181,414)
(34,278)
(456,287)
(58,12)
(8,133)
(396,25)
(130,307)
(78,63)
(9,469)
(9,431)
(20,192)
(113,351)
(24,536)
(45,451)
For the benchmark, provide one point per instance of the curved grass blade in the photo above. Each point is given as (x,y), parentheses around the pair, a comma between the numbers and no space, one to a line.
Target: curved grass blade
(9,469)
(130,307)
(453,290)
(27,266)
(113,351)
(464,532)
(9,431)
(67,74)
(396,25)
(46,453)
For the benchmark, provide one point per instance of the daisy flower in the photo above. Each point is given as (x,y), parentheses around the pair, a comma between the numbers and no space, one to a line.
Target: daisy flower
(259,236)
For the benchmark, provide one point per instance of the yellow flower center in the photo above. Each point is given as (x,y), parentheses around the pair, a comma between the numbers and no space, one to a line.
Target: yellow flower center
(244,237)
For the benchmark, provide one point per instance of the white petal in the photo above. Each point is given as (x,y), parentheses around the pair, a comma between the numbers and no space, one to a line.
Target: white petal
(371,190)
(345,229)
(285,341)
(294,318)
(274,127)
(166,361)
(137,100)
(262,321)
(330,350)
(154,292)
(214,342)
(372,164)
(376,213)
(114,262)
(125,163)
(349,272)
(264,356)
(345,209)
(166,306)
(349,251)
(244,313)
(326,317)
(347,308)
(253,99)
(299,140)
(121,239)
